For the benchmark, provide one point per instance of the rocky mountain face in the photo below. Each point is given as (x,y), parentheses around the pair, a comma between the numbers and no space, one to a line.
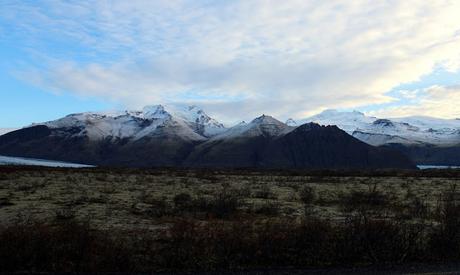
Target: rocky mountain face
(307,146)
(426,140)
(187,136)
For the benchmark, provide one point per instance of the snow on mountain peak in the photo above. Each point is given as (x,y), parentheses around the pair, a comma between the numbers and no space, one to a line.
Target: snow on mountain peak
(291,122)
(383,123)
(7,130)
(198,119)
(335,113)
(264,119)
(260,126)
(193,121)
(155,112)
(376,131)
(329,111)
(347,121)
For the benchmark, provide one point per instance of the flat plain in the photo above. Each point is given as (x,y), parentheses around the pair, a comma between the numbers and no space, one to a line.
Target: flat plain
(145,198)
(196,219)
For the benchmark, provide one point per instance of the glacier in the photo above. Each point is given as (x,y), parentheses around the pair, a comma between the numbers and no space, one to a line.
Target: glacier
(414,130)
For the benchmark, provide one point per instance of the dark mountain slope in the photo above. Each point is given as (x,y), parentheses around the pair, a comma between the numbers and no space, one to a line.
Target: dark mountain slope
(430,154)
(307,146)
(263,143)
(314,146)
(236,152)
(43,142)
(60,144)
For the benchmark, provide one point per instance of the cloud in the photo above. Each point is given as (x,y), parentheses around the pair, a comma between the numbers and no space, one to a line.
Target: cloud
(437,101)
(242,58)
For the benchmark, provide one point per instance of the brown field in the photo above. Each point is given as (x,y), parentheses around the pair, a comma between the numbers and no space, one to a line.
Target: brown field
(203,218)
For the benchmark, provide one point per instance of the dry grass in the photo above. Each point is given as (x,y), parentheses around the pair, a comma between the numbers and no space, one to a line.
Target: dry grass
(145,199)
(164,219)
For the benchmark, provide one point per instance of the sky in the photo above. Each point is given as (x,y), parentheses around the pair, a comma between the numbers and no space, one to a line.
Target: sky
(236,59)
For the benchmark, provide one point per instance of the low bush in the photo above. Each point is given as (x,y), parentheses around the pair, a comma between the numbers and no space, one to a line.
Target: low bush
(365,201)
(69,247)
(265,192)
(307,195)
(183,201)
(191,245)
(267,208)
(445,239)
(221,205)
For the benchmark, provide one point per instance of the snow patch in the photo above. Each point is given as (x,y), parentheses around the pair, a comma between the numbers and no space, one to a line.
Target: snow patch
(260,126)
(4,160)
(7,130)
(291,122)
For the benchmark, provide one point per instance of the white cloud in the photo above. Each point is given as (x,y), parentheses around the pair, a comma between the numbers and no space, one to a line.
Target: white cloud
(437,101)
(267,56)
(409,94)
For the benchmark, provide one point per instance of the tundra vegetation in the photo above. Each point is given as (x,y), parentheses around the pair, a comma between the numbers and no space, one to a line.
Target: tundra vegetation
(141,220)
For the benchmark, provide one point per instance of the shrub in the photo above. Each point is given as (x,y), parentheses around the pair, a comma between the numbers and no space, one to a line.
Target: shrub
(265,192)
(159,207)
(65,213)
(222,205)
(182,201)
(225,204)
(417,208)
(365,201)
(70,247)
(445,240)
(268,208)
(307,195)
(4,202)
(380,241)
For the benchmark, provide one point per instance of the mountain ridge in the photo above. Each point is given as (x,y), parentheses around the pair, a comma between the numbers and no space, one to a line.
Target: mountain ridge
(158,136)
(412,130)
(171,133)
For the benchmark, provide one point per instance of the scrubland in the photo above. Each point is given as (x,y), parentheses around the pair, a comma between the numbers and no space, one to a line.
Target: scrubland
(141,220)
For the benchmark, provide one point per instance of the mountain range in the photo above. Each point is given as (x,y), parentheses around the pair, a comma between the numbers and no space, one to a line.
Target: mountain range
(426,140)
(187,136)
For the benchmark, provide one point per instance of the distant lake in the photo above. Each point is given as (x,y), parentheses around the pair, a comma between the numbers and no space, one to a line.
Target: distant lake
(437,167)
(4,160)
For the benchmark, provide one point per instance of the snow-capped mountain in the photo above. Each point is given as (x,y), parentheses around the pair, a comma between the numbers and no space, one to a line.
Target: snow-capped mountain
(176,135)
(263,125)
(406,131)
(203,124)
(291,122)
(186,136)
(189,122)
(154,136)
(7,130)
